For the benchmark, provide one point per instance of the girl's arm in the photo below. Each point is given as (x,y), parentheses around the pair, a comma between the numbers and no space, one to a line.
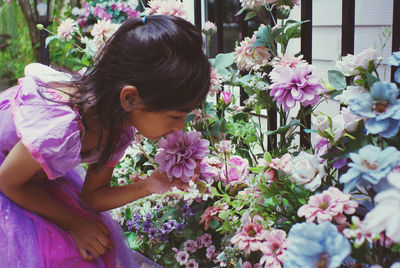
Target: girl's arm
(15,182)
(98,194)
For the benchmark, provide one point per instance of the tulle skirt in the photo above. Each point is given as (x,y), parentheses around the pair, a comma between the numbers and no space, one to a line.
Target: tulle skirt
(28,240)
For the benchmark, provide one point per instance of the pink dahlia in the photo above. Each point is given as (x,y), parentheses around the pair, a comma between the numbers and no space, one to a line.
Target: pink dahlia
(179,152)
(330,204)
(247,57)
(274,249)
(292,85)
(251,237)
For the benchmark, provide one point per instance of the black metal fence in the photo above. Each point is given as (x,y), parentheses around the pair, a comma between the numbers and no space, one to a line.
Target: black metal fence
(347,44)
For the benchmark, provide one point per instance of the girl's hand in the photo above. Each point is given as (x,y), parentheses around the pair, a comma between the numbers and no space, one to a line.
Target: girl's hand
(159,183)
(91,237)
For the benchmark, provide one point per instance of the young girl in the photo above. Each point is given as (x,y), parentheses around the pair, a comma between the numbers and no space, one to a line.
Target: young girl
(149,75)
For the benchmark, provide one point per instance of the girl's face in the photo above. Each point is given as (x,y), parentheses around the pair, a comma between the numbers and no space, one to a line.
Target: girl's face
(154,125)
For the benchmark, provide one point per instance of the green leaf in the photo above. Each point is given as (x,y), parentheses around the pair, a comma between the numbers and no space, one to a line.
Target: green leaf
(190,117)
(224,214)
(49,39)
(250,14)
(371,79)
(223,60)
(214,224)
(132,240)
(283,129)
(267,157)
(245,78)
(337,79)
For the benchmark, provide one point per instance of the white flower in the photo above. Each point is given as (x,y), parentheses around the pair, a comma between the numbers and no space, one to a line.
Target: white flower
(349,93)
(255,3)
(359,233)
(320,122)
(348,63)
(118,214)
(350,120)
(66,28)
(386,215)
(307,171)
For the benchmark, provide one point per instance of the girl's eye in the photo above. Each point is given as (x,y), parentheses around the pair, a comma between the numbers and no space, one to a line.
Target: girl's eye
(176,117)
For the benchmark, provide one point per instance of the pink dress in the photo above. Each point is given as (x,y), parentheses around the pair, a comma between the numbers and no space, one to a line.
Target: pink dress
(51,132)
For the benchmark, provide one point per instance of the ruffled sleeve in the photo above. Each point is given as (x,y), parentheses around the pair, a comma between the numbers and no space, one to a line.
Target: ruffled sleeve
(125,139)
(49,130)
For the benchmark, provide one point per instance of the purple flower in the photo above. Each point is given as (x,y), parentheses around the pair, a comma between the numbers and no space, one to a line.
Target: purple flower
(186,210)
(152,232)
(166,228)
(296,84)
(173,224)
(178,153)
(147,225)
(148,216)
(180,227)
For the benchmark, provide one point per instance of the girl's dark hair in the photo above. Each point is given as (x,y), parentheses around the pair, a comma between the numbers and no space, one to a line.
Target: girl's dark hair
(163,58)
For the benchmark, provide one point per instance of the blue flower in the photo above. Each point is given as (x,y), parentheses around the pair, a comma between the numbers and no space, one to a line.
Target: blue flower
(173,224)
(394,60)
(370,164)
(312,245)
(381,107)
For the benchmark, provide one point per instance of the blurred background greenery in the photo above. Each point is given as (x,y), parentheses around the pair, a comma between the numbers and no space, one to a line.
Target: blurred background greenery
(16,47)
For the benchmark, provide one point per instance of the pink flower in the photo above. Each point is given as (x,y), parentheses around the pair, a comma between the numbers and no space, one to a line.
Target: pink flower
(255,3)
(224,146)
(206,240)
(358,232)
(209,28)
(215,82)
(212,213)
(288,60)
(226,97)
(274,249)
(210,169)
(182,257)
(247,57)
(66,28)
(210,252)
(192,264)
(166,7)
(179,152)
(330,204)
(190,245)
(251,237)
(235,171)
(294,85)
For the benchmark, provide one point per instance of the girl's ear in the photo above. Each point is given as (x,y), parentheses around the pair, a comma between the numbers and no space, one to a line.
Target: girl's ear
(129,97)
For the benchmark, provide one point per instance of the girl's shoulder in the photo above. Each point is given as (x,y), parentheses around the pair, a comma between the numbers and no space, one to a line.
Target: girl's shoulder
(46,124)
